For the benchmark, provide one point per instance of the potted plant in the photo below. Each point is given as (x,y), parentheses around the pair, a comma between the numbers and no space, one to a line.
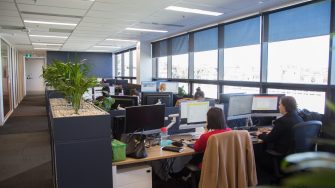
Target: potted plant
(69,78)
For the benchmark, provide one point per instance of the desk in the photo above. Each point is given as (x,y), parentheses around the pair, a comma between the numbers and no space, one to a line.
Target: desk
(155,153)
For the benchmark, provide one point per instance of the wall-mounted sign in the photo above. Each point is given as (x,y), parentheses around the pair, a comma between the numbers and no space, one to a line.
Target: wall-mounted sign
(28,55)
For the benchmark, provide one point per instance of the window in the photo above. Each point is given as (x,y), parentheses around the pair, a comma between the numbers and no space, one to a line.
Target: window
(162,67)
(206,65)
(299,61)
(242,63)
(242,50)
(180,66)
(211,91)
(118,65)
(310,100)
(298,47)
(126,64)
(240,89)
(206,54)
(134,63)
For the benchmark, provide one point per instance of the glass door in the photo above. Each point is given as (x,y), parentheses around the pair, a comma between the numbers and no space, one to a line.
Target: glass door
(6,89)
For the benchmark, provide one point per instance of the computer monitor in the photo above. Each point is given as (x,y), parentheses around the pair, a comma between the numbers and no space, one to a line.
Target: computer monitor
(266,103)
(124,101)
(97,92)
(239,106)
(224,97)
(88,95)
(147,86)
(193,114)
(111,82)
(145,119)
(123,83)
(168,87)
(148,98)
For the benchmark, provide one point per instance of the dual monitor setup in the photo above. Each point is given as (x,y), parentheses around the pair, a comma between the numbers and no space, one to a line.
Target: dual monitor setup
(246,106)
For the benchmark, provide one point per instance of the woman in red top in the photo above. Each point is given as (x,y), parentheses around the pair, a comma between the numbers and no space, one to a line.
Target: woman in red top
(216,123)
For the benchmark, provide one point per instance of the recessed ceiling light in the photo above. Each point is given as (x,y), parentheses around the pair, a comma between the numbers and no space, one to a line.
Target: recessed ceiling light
(106,47)
(146,30)
(46,48)
(49,36)
(191,10)
(122,40)
(49,23)
(46,44)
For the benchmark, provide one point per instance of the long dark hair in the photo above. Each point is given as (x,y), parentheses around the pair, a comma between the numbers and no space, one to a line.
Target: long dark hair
(216,119)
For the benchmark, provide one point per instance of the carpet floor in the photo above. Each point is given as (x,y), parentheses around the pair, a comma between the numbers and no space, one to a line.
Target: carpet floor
(25,155)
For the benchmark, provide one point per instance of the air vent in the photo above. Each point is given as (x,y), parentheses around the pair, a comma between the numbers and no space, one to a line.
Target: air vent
(14,28)
(170,25)
(48,14)
(60,30)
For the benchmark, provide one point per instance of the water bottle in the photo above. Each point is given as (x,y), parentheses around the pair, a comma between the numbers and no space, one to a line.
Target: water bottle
(164,138)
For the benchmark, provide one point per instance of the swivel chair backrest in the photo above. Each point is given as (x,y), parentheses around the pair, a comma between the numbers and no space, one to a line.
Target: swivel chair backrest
(304,135)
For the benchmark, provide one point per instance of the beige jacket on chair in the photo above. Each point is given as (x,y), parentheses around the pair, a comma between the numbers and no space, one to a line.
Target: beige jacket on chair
(229,161)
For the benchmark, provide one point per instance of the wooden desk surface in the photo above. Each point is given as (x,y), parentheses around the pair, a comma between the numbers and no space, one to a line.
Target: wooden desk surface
(155,153)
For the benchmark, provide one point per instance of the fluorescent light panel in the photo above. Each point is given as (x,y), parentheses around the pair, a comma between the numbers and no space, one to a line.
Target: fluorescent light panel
(49,36)
(122,40)
(146,30)
(46,48)
(49,23)
(106,47)
(191,10)
(46,44)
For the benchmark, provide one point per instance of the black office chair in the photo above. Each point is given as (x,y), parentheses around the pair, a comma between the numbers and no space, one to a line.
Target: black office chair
(303,140)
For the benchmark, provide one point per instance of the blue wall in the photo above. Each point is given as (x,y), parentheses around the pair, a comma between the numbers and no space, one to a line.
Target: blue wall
(101,64)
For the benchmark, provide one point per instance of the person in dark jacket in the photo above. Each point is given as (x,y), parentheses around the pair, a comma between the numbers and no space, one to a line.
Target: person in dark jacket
(280,135)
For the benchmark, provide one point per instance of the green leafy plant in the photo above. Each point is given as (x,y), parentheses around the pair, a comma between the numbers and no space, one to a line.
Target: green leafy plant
(181,91)
(105,103)
(69,78)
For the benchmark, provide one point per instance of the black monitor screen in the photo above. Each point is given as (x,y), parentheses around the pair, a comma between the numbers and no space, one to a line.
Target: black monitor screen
(149,98)
(144,118)
(239,105)
(266,103)
(124,101)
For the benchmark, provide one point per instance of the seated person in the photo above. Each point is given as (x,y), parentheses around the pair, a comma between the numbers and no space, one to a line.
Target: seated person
(198,95)
(279,136)
(105,93)
(216,123)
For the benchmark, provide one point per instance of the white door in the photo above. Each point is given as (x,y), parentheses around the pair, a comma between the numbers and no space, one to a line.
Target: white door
(34,80)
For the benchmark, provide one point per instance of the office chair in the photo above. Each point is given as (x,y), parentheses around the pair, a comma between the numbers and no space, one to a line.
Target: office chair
(228,162)
(303,140)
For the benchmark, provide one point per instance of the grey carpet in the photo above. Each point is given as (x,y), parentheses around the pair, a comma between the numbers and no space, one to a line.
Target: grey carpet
(25,156)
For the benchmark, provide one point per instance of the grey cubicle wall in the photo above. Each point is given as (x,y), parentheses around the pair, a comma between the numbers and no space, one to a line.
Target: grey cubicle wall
(82,152)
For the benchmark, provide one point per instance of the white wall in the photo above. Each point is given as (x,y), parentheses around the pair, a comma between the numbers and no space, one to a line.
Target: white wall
(144,62)
(34,81)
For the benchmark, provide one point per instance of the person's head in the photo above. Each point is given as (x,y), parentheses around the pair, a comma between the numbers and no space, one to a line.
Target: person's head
(199,94)
(134,92)
(287,104)
(162,87)
(216,119)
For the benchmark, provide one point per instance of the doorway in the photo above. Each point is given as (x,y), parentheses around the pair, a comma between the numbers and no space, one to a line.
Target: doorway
(33,74)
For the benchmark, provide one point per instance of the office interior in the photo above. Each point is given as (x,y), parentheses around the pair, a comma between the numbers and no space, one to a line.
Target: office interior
(254,47)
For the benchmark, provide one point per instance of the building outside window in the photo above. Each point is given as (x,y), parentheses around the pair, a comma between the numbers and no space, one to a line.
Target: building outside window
(180,66)
(118,65)
(134,63)
(310,100)
(206,65)
(126,64)
(240,89)
(162,67)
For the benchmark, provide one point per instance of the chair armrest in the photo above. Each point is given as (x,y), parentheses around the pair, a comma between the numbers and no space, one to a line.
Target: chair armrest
(193,168)
(274,153)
